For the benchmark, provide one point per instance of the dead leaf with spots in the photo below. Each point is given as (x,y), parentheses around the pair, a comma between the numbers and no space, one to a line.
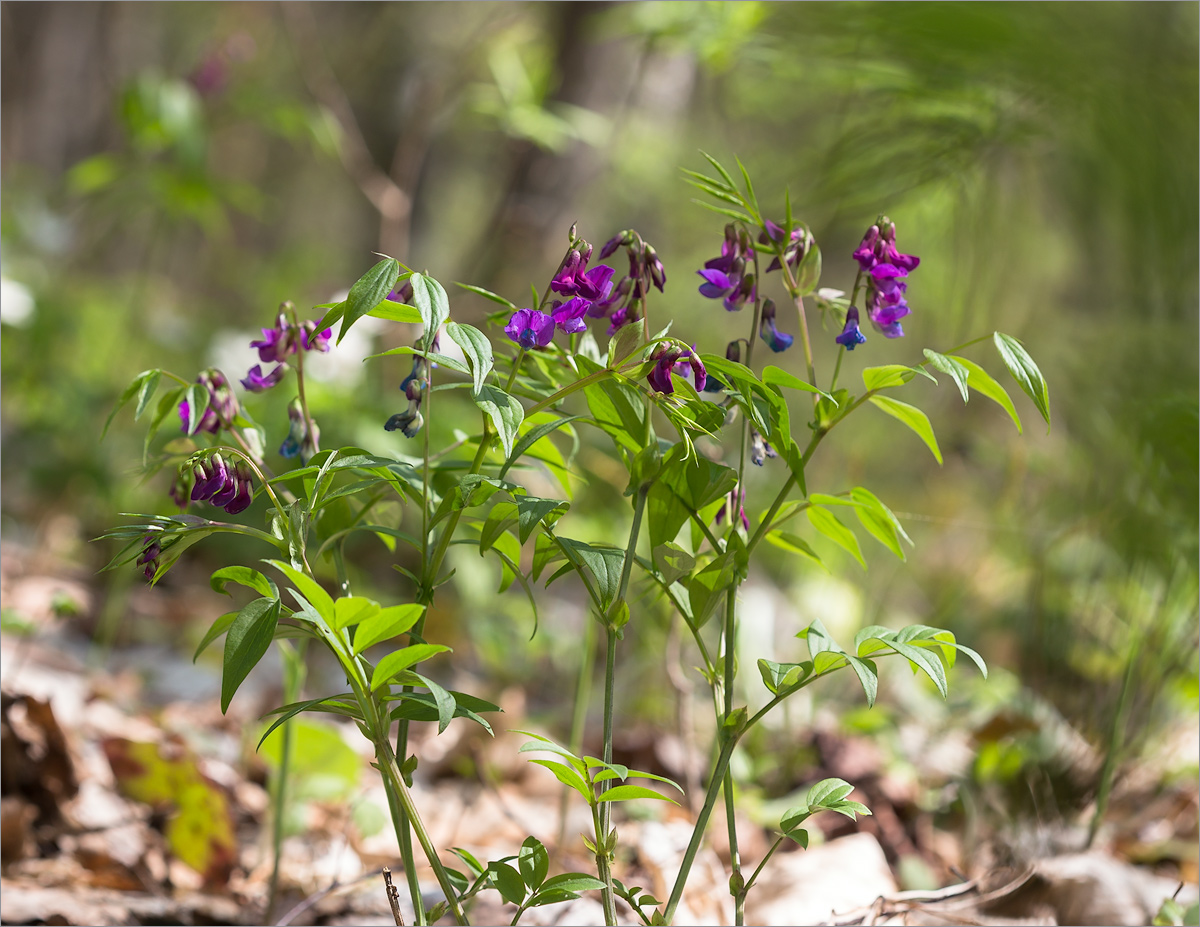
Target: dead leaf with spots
(200,828)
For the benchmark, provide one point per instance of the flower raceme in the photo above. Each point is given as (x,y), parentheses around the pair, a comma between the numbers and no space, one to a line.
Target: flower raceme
(886,270)
(222,484)
(222,406)
(279,343)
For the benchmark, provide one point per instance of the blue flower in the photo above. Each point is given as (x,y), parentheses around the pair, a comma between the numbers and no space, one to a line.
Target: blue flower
(530,328)
(776,340)
(851,337)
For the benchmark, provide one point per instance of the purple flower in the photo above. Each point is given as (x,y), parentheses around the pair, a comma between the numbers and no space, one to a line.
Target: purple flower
(244,493)
(314,340)
(746,292)
(149,556)
(851,337)
(718,284)
(735,497)
(669,357)
(278,342)
(256,382)
(658,273)
(298,442)
(222,406)
(530,328)
(776,340)
(227,486)
(402,293)
(886,269)
(568,316)
(799,242)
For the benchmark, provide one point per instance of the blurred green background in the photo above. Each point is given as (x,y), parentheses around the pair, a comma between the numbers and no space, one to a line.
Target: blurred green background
(171,172)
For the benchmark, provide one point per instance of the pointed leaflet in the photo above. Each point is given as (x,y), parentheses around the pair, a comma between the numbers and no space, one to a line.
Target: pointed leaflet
(1025,372)
(505,412)
(826,522)
(981,381)
(605,564)
(476,348)
(384,625)
(219,627)
(531,438)
(433,304)
(247,640)
(369,291)
(487,294)
(140,387)
(628,792)
(534,862)
(442,699)
(952,368)
(531,511)
(400,660)
(911,416)
(244,576)
(309,587)
(879,520)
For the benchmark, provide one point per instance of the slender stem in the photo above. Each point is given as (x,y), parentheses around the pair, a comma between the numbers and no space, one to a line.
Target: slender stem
(759,868)
(293,665)
(837,368)
(793,289)
(603,869)
(583,694)
(710,799)
(729,675)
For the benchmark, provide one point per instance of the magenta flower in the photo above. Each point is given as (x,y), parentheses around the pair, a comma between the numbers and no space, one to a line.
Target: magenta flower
(670,357)
(886,269)
(568,316)
(222,404)
(256,382)
(735,497)
(314,340)
(530,328)
(851,337)
(227,486)
(278,342)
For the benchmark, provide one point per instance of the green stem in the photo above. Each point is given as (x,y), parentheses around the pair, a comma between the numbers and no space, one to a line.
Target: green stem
(759,868)
(583,695)
(837,368)
(293,674)
(710,799)
(729,675)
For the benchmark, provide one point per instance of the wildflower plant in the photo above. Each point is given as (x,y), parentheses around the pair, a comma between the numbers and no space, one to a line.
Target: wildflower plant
(694,525)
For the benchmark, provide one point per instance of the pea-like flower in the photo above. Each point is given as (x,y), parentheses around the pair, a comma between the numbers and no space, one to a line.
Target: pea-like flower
(799,243)
(277,343)
(759,448)
(530,328)
(149,556)
(886,269)
(256,381)
(409,422)
(851,337)
(314,340)
(725,277)
(225,485)
(568,316)
(736,498)
(669,357)
(297,438)
(222,404)
(776,340)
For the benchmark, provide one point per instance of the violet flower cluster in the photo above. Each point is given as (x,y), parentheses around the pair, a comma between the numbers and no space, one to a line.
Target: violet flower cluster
(222,404)
(149,556)
(279,343)
(590,293)
(727,277)
(225,485)
(886,270)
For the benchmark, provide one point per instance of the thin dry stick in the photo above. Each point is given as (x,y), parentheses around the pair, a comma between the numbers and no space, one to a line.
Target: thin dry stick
(324,893)
(393,894)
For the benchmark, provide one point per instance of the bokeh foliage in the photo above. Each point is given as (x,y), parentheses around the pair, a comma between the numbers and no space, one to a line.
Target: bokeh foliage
(1041,158)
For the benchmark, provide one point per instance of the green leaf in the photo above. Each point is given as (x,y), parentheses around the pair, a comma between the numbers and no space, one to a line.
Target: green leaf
(605,564)
(573,882)
(567,776)
(619,411)
(1025,372)
(630,792)
(423,706)
(793,818)
(673,562)
(505,411)
(244,576)
(773,376)
(708,587)
(400,660)
(508,881)
(827,792)
(476,348)
(923,659)
(352,610)
(247,640)
(750,197)
(952,368)
(287,712)
(531,438)
(794,544)
(808,274)
(133,389)
(309,587)
(444,701)
(386,624)
(736,214)
(396,312)
(798,835)
(534,862)
(911,416)
(219,627)
(441,360)
(369,291)
(783,677)
(197,400)
(487,294)
(531,510)
(433,304)
(981,381)
(887,376)
(146,391)
(868,676)
(879,520)
(827,523)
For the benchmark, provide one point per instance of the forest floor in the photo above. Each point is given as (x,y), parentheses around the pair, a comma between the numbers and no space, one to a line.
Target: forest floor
(129,798)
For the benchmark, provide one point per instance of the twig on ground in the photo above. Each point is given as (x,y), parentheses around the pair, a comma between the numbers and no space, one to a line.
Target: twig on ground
(393,894)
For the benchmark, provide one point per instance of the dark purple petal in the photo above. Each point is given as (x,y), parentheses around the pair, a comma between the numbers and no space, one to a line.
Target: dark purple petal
(242,500)
(530,328)
(314,340)
(569,316)
(595,283)
(892,330)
